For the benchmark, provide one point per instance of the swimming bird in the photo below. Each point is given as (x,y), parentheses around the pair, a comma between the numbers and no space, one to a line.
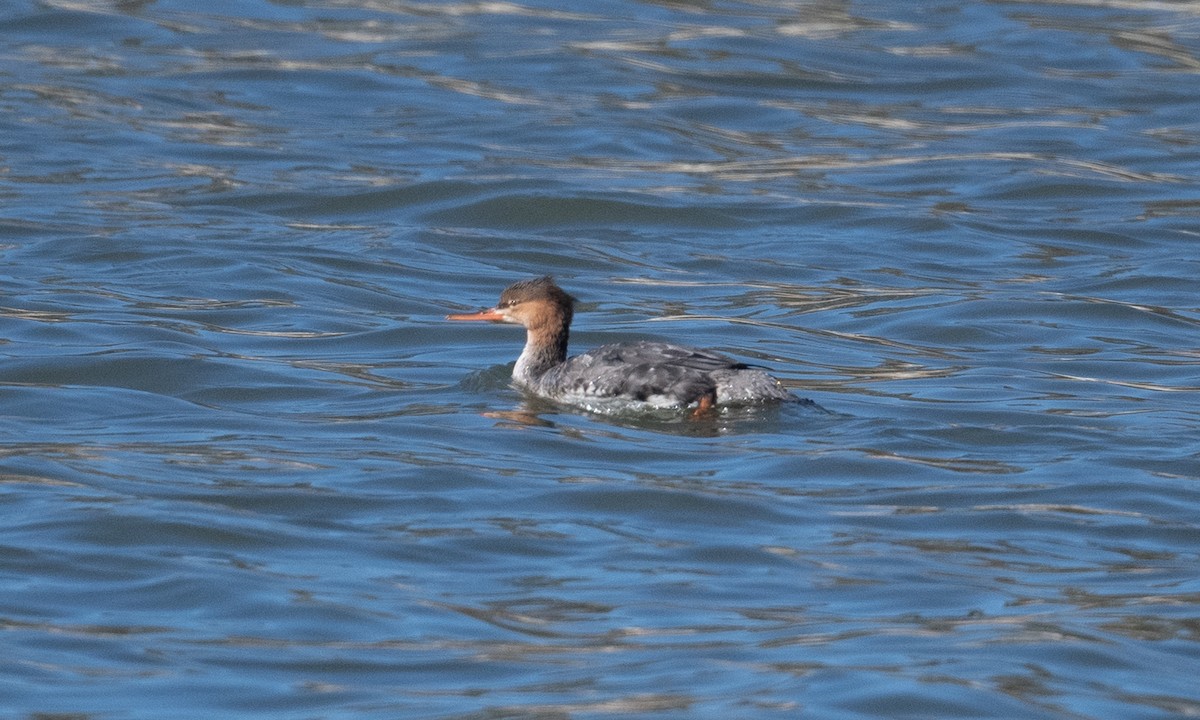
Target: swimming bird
(620,376)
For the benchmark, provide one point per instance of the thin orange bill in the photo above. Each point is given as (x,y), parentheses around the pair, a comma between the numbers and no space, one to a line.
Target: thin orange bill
(490,314)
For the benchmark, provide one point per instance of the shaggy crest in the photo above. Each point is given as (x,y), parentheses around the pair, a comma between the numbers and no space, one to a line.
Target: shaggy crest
(542,288)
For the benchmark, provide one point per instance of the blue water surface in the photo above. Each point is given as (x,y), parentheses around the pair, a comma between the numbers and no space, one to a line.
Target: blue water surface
(247,470)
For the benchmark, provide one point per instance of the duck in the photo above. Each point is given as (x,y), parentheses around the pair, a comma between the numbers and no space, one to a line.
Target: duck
(619,376)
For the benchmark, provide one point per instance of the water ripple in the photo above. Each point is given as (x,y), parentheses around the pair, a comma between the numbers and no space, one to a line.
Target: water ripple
(248,467)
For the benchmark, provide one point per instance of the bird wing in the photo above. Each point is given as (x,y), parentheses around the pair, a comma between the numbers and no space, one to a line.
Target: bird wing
(643,371)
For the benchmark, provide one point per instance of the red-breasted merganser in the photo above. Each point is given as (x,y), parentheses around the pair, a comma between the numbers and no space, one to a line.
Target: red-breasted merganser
(622,375)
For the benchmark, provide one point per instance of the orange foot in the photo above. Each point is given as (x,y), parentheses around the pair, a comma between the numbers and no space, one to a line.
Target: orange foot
(704,406)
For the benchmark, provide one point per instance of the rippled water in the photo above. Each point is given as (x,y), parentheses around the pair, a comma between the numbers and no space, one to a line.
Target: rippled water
(248,471)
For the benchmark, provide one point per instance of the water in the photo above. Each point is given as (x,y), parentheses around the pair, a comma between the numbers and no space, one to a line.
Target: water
(249,471)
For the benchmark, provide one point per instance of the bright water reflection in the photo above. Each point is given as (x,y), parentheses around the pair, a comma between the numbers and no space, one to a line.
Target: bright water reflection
(247,468)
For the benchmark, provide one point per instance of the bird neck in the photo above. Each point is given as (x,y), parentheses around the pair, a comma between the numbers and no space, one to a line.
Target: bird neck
(545,347)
